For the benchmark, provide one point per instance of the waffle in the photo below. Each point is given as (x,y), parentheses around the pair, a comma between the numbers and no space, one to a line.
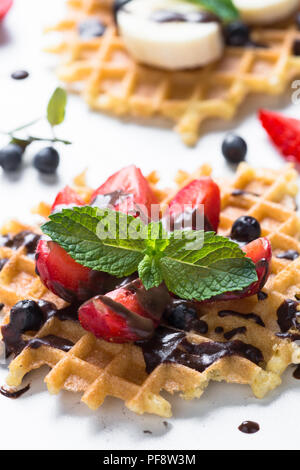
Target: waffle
(111,81)
(98,369)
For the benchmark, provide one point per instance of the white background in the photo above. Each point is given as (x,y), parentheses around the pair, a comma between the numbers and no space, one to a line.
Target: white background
(103,145)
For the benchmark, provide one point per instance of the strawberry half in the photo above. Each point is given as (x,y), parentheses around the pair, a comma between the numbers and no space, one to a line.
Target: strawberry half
(67,197)
(128,190)
(119,316)
(260,252)
(284,132)
(201,192)
(65,277)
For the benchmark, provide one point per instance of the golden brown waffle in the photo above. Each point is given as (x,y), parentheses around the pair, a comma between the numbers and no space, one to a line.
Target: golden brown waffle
(99,369)
(110,80)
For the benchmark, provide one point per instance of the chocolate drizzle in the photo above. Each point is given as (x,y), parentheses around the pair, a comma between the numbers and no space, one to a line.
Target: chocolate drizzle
(236,331)
(154,301)
(287,315)
(51,340)
(25,238)
(245,316)
(3,262)
(14,394)
(289,255)
(171,346)
(242,192)
(262,295)
(296,373)
(168,16)
(28,315)
(249,427)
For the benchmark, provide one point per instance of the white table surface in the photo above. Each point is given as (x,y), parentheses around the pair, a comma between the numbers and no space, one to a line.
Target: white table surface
(103,145)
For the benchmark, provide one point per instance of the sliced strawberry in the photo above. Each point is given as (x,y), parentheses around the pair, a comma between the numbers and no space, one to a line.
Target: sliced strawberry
(66,278)
(129,190)
(201,192)
(260,251)
(116,316)
(284,132)
(5,5)
(67,197)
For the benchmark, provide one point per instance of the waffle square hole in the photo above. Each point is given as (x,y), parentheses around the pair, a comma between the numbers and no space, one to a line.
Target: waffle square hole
(112,85)
(118,57)
(181,89)
(263,66)
(270,218)
(217,91)
(147,86)
(230,63)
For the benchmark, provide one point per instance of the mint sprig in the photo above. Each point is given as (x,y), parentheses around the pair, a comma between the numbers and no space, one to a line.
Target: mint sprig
(225,9)
(193,264)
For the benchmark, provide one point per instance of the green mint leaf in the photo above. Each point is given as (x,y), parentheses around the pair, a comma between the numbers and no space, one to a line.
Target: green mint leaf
(194,264)
(219,266)
(77,230)
(225,9)
(56,108)
(149,272)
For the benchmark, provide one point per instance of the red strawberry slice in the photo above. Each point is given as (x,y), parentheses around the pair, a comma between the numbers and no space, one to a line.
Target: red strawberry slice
(118,316)
(66,278)
(67,197)
(128,190)
(284,132)
(260,251)
(203,191)
(5,5)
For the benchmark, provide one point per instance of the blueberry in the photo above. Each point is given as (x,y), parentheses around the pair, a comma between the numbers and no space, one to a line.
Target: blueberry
(11,157)
(26,315)
(181,315)
(237,34)
(46,160)
(245,229)
(234,148)
(91,28)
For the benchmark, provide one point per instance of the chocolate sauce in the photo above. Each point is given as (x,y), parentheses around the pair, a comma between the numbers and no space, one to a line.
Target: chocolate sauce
(51,340)
(249,427)
(245,316)
(28,315)
(289,254)
(154,301)
(1,306)
(19,75)
(219,330)
(262,295)
(169,16)
(296,47)
(141,326)
(171,346)
(242,192)
(291,336)
(3,262)
(296,373)
(236,331)
(25,238)
(287,315)
(15,394)
(118,4)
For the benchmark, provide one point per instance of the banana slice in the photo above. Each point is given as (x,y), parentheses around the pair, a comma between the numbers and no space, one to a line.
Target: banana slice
(170,34)
(265,11)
